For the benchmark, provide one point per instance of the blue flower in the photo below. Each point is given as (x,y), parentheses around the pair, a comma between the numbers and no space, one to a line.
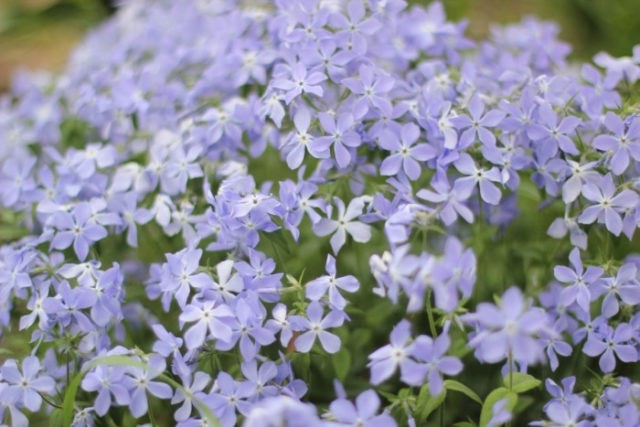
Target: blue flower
(140,382)
(317,288)
(210,319)
(25,385)
(76,229)
(406,154)
(344,223)
(610,342)
(315,326)
(579,281)
(296,80)
(363,413)
(509,330)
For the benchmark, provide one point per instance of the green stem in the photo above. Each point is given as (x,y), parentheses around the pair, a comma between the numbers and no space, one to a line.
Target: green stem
(152,419)
(432,324)
(68,366)
(49,401)
(480,211)
(424,239)
(279,259)
(434,333)
(111,422)
(510,360)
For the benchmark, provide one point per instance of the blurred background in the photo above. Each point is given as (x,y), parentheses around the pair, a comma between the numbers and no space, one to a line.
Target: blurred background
(38,34)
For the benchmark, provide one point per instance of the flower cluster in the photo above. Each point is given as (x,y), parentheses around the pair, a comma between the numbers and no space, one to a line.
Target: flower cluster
(220,210)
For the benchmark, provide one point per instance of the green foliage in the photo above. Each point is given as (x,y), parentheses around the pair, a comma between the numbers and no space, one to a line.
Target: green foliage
(18,16)
(427,403)
(68,408)
(590,26)
(74,133)
(11,227)
(520,383)
(341,363)
(493,398)
(454,385)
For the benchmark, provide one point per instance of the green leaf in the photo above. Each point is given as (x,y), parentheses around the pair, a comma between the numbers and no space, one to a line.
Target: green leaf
(12,232)
(70,398)
(389,396)
(524,402)
(341,363)
(427,403)
(72,390)
(55,419)
(279,239)
(206,412)
(454,385)
(521,383)
(117,360)
(465,424)
(74,132)
(493,398)
(301,363)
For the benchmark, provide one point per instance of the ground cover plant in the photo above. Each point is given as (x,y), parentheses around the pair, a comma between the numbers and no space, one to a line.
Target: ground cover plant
(320,213)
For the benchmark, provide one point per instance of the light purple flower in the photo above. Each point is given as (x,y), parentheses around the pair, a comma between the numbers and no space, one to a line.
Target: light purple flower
(229,396)
(623,145)
(261,377)
(139,381)
(317,288)
(363,413)
(127,206)
(340,135)
(76,229)
(432,355)
(371,88)
(499,414)
(298,80)
(283,411)
(478,125)
(624,287)
(610,342)
(608,205)
(579,281)
(406,154)
(16,180)
(210,319)
(301,141)
(281,323)
(315,326)
(194,385)
(25,385)
(561,414)
(108,381)
(249,330)
(549,134)
(474,175)
(561,226)
(228,283)
(450,202)
(385,361)
(580,174)
(508,330)
(555,346)
(344,223)
(181,275)
(356,26)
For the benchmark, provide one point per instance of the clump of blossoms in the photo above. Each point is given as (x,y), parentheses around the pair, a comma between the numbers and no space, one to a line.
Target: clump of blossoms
(320,213)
